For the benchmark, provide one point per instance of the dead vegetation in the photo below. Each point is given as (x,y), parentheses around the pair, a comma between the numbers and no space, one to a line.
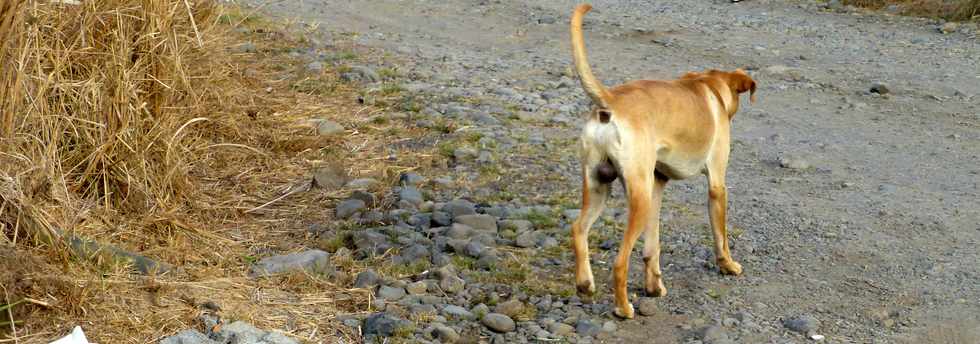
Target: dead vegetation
(953,10)
(140,124)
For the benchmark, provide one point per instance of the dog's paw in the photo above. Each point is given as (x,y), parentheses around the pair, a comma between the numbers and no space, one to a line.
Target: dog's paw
(625,312)
(730,267)
(585,291)
(656,290)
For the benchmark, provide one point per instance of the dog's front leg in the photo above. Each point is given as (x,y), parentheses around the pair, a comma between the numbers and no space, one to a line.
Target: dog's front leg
(639,189)
(594,196)
(651,242)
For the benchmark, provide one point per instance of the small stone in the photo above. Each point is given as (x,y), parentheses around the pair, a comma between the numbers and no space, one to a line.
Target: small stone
(411,195)
(329,177)
(526,239)
(277,338)
(729,322)
(441,219)
(647,306)
(480,222)
(188,337)
(459,207)
(802,324)
(417,288)
(316,261)
(445,334)
(587,328)
(784,72)
(457,312)
(452,284)
(793,163)
(561,329)
(464,154)
(609,326)
(239,331)
(879,88)
(391,293)
(549,242)
(348,208)
(366,279)
(474,249)
(498,322)
(459,231)
(326,127)
(382,324)
(367,197)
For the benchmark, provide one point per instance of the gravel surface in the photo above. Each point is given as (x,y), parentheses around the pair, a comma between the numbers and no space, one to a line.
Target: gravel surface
(853,182)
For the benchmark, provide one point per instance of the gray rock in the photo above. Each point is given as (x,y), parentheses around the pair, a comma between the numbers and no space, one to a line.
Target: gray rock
(188,337)
(647,306)
(445,334)
(457,312)
(452,284)
(609,326)
(383,324)
(802,324)
(949,27)
(360,74)
(366,279)
(498,322)
(278,338)
(352,323)
(329,177)
(417,288)
(879,88)
(547,19)
(488,260)
(549,242)
(348,208)
(527,239)
(784,72)
(315,261)
(518,226)
(474,249)
(510,308)
(326,127)
(459,207)
(391,293)
(481,222)
(441,219)
(372,242)
(459,231)
(414,253)
(587,328)
(239,332)
(362,183)
(561,329)
(793,163)
(411,195)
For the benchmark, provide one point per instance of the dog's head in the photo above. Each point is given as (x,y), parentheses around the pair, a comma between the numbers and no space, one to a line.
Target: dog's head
(737,82)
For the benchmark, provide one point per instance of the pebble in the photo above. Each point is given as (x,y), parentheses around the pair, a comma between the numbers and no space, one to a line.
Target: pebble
(326,127)
(793,163)
(879,88)
(348,208)
(498,322)
(316,261)
(247,47)
(480,222)
(587,328)
(561,329)
(802,324)
(391,293)
(416,288)
(457,312)
(366,279)
(510,308)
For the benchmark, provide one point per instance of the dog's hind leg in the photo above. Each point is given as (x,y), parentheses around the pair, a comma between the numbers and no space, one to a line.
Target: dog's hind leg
(639,190)
(651,242)
(594,196)
(717,208)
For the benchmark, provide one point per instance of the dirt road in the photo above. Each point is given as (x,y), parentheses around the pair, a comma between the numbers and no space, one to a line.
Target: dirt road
(856,210)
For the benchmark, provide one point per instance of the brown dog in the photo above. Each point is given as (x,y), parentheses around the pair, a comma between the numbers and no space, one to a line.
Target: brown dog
(648,132)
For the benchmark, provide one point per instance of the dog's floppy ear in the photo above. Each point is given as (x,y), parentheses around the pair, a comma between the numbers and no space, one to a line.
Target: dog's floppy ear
(741,82)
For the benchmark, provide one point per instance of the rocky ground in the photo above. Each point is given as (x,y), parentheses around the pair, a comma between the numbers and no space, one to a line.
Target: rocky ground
(853,182)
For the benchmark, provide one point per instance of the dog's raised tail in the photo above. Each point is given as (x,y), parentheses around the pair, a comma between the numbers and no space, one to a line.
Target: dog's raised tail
(592,86)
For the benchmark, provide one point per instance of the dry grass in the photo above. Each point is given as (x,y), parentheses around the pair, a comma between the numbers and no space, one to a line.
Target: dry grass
(132,122)
(954,10)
